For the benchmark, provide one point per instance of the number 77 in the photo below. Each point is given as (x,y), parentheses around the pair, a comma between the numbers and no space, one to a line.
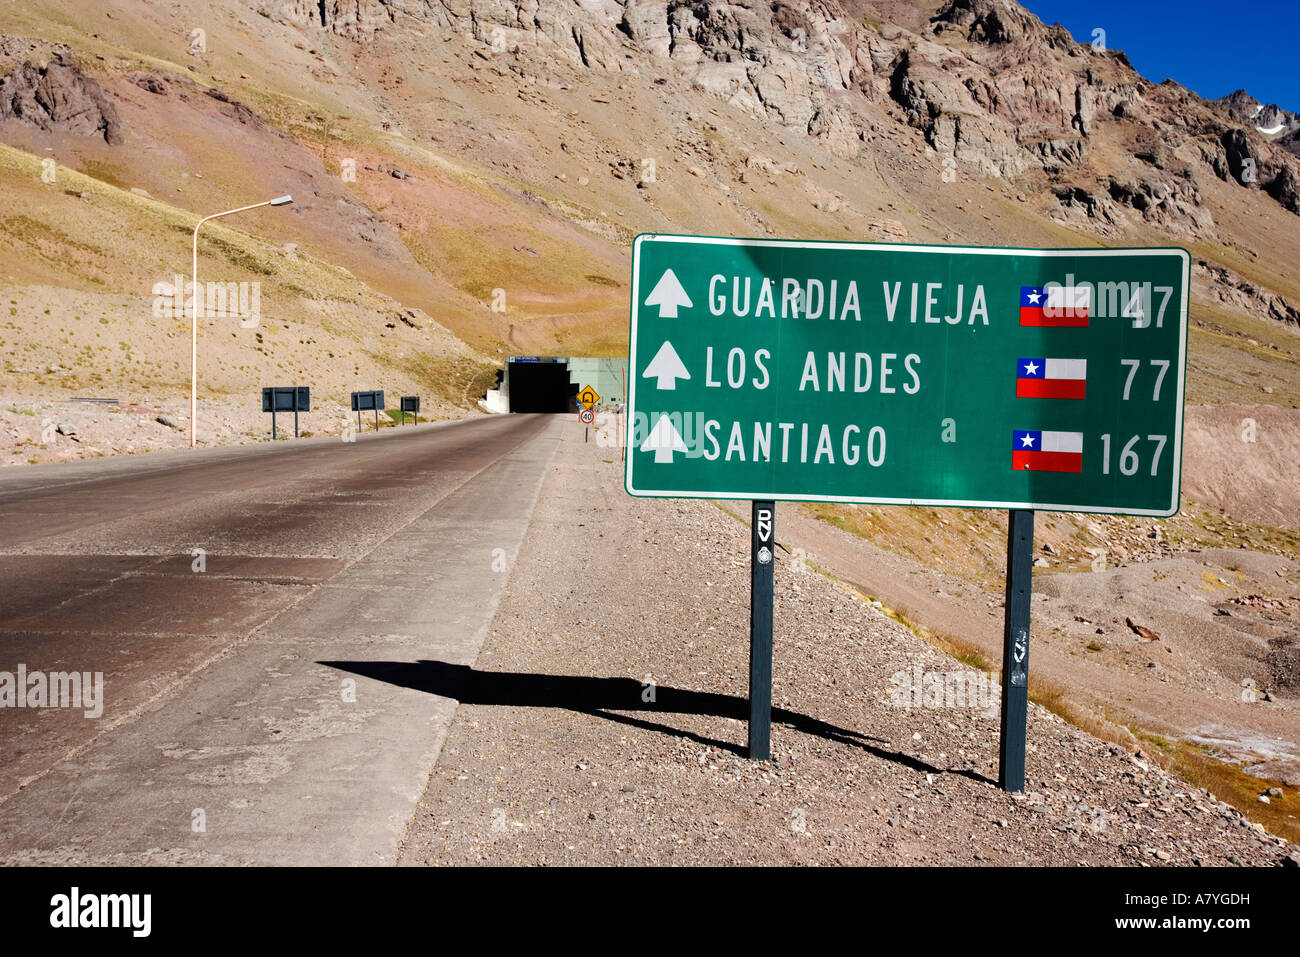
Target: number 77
(1133,364)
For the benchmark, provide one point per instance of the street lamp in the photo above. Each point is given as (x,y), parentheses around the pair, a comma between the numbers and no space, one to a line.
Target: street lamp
(198,295)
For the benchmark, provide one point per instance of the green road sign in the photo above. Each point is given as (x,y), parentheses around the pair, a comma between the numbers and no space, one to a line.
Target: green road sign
(921,375)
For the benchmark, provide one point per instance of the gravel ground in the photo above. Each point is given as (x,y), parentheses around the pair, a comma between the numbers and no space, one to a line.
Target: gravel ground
(35,431)
(562,751)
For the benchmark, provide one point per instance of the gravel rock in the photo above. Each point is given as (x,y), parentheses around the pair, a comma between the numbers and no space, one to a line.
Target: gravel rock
(589,771)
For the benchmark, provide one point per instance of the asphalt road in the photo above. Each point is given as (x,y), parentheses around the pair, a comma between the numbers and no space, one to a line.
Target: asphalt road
(229,732)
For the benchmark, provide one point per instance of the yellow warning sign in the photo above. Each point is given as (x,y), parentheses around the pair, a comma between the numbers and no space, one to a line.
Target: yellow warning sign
(588,396)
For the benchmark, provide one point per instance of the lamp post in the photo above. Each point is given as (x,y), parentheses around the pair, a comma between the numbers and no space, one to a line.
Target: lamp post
(198,295)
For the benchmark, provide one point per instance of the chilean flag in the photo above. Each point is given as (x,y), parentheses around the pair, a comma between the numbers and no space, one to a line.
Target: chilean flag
(1062,307)
(1038,451)
(1051,378)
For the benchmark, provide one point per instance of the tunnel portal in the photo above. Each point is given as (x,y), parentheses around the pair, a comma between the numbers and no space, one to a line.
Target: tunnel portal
(550,383)
(541,385)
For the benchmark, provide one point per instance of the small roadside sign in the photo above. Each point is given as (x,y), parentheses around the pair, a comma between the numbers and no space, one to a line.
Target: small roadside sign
(373,399)
(410,403)
(367,400)
(293,399)
(588,396)
(586,417)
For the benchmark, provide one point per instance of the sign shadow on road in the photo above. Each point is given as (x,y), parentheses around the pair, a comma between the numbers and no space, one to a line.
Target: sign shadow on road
(614,699)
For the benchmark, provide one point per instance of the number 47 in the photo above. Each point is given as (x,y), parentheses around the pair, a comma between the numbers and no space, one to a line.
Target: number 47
(1138,308)
(1133,364)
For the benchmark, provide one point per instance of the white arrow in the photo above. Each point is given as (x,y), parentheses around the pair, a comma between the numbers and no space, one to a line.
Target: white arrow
(668,295)
(667,367)
(664,440)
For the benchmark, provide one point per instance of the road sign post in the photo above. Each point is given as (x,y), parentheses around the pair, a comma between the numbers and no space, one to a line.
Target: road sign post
(368,400)
(1015,649)
(293,399)
(1018,379)
(411,404)
(762,556)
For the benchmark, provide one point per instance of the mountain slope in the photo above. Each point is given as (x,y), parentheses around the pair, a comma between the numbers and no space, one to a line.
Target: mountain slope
(487,162)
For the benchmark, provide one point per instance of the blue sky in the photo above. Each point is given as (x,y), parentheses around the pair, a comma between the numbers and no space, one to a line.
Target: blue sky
(1211,48)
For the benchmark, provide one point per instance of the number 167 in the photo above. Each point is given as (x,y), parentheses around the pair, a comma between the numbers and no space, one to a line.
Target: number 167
(1129,461)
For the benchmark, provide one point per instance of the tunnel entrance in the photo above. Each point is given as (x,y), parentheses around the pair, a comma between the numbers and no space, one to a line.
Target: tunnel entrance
(551,383)
(540,385)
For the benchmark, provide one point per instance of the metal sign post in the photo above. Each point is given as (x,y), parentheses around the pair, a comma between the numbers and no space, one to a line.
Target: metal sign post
(368,400)
(293,399)
(761,557)
(411,404)
(301,403)
(1015,649)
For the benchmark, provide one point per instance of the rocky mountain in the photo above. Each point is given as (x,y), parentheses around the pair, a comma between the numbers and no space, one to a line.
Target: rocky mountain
(1270,120)
(984,81)
(484,164)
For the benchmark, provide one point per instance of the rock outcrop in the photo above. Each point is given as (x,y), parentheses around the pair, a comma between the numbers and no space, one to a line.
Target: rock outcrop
(1227,287)
(1285,187)
(1173,202)
(58,97)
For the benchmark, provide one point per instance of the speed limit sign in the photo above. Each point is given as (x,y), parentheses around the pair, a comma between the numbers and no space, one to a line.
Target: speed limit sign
(586,417)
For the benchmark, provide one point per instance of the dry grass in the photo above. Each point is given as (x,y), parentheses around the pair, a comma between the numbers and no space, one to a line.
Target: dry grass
(1228,783)
(1234,359)
(1056,698)
(968,543)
